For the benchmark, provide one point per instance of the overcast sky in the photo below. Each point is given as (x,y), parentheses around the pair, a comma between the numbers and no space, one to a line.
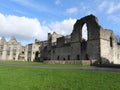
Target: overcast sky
(33,19)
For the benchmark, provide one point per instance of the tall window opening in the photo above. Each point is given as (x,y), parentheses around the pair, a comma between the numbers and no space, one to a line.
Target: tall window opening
(78,57)
(58,57)
(68,57)
(111,42)
(84,32)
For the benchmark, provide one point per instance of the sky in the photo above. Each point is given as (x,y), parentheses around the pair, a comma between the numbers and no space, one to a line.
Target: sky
(28,20)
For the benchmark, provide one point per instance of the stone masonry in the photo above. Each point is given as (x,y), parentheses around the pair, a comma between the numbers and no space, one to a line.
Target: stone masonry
(100,45)
(11,50)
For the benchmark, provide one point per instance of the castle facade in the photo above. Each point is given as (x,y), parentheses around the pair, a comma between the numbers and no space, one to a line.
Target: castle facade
(100,45)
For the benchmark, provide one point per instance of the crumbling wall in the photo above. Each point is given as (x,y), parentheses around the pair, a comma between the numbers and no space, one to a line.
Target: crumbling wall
(52,38)
(100,45)
(106,46)
(93,42)
(61,53)
(118,54)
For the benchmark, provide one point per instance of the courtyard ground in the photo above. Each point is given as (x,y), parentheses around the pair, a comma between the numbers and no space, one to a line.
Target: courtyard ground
(30,76)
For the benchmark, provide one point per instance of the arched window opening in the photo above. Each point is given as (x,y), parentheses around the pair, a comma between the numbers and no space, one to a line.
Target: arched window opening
(78,57)
(68,57)
(87,57)
(84,32)
(58,57)
(111,42)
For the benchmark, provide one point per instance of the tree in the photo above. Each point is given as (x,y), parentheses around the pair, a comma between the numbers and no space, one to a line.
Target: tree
(118,39)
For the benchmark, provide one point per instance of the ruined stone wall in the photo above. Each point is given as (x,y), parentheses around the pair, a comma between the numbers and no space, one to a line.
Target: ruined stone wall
(10,50)
(75,51)
(15,49)
(100,45)
(60,41)
(61,50)
(93,49)
(22,54)
(52,38)
(26,53)
(30,52)
(93,42)
(35,49)
(108,46)
(61,53)
(118,54)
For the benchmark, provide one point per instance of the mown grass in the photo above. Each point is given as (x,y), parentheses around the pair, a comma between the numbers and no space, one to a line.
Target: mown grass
(19,78)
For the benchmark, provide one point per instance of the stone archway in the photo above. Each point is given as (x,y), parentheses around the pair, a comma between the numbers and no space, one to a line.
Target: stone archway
(93,42)
(36,56)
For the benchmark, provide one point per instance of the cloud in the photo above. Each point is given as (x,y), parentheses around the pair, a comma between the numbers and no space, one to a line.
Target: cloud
(72,10)
(57,2)
(113,8)
(102,6)
(24,28)
(109,7)
(64,27)
(33,5)
(114,18)
(25,3)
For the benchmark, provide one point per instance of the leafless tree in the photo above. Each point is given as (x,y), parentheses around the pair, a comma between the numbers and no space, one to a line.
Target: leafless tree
(118,39)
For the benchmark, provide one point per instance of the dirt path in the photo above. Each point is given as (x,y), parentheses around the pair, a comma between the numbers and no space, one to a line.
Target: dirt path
(91,68)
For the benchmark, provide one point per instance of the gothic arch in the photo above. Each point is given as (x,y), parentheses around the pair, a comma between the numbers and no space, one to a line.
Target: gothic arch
(93,41)
(92,26)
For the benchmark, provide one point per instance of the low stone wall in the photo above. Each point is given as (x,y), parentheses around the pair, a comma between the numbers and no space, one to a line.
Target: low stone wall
(87,62)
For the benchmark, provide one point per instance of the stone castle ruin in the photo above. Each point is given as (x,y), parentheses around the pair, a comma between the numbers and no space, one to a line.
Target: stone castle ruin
(100,45)
(11,50)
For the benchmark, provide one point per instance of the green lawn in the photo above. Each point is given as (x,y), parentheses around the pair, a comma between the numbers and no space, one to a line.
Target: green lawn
(19,78)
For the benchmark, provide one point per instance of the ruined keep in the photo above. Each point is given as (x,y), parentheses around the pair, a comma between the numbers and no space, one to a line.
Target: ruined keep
(100,45)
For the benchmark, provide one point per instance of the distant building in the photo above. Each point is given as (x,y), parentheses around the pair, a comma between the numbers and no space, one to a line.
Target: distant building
(10,50)
(33,50)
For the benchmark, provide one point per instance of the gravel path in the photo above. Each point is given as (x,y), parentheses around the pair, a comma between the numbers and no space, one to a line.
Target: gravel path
(91,68)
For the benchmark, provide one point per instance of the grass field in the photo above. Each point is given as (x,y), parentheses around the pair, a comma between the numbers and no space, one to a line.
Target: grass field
(19,78)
